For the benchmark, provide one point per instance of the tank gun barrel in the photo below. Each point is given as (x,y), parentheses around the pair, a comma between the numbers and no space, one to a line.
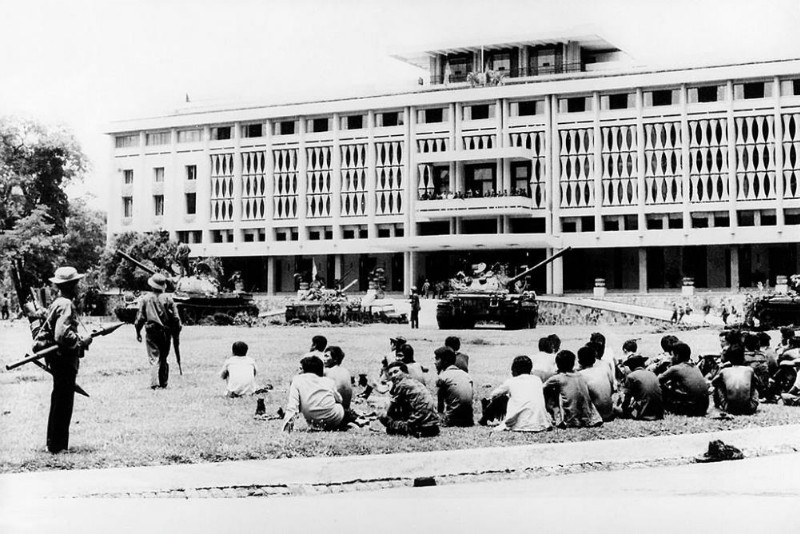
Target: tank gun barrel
(348,286)
(137,263)
(540,264)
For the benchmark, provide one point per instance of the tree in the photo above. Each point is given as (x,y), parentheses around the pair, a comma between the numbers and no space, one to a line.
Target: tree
(86,236)
(36,164)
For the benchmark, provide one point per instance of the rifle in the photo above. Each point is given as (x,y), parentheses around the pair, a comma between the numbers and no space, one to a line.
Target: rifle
(176,344)
(36,356)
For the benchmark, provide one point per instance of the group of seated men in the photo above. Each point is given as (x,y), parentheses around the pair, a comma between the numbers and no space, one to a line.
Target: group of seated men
(545,389)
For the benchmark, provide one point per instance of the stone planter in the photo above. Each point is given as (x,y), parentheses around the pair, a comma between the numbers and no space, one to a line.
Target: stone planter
(781,284)
(599,288)
(688,286)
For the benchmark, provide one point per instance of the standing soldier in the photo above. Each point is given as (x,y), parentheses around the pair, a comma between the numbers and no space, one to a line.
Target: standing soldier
(414,298)
(159,317)
(60,327)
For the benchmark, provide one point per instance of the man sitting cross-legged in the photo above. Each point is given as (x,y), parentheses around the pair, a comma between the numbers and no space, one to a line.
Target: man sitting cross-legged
(315,396)
(735,386)
(569,395)
(599,380)
(641,392)
(411,411)
(683,387)
(454,390)
(519,401)
(332,358)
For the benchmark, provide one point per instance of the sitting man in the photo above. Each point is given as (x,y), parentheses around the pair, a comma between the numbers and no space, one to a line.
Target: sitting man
(661,362)
(332,358)
(454,390)
(415,370)
(641,392)
(544,361)
(519,401)
(314,396)
(462,360)
(239,372)
(411,411)
(318,344)
(599,381)
(569,395)
(735,390)
(684,390)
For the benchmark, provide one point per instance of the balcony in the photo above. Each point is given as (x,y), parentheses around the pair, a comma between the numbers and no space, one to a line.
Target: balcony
(481,207)
(563,68)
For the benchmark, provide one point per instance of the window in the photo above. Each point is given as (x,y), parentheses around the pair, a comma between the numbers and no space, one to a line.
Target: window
(390,118)
(501,61)
(157,138)
(127,207)
(221,133)
(796,87)
(662,97)
(576,104)
(434,115)
(253,130)
(319,125)
(458,69)
(158,205)
(354,122)
(754,90)
(125,141)
(127,175)
(619,101)
(191,172)
(191,203)
(158,172)
(530,107)
(521,176)
(709,93)
(480,180)
(478,112)
(286,128)
(194,135)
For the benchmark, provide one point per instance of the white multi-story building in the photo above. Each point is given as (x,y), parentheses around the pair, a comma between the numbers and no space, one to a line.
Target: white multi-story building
(651,175)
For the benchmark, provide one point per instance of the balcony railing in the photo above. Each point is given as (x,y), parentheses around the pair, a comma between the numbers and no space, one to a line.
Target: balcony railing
(515,73)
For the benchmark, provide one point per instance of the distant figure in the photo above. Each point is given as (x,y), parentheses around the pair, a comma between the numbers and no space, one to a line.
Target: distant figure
(332,358)
(426,288)
(159,317)
(569,395)
(735,390)
(684,389)
(239,371)
(455,390)
(414,298)
(411,411)
(4,303)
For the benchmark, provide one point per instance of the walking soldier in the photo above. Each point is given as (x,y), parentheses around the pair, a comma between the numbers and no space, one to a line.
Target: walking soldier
(159,317)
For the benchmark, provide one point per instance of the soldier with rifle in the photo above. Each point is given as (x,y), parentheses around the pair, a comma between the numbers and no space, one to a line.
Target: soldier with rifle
(159,317)
(60,327)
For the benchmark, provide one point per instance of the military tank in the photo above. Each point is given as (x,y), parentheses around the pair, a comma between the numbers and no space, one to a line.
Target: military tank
(775,310)
(315,303)
(491,296)
(196,296)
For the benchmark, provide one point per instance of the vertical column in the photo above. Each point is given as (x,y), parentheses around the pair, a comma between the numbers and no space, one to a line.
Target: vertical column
(410,168)
(173,188)
(598,165)
(552,168)
(336,179)
(203,201)
(372,181)
(337,267)
(558,275)
(410,270)
(778,133)
(142,180)
(731,156)
(548,270)
(237,183)
(686,166)
(269,190)
(643,270)
(270,275)
(302,183)
(640,164)
(734,267)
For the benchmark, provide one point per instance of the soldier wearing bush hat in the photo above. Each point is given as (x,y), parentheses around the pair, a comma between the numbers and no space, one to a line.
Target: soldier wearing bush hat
(159,317)
(60,327)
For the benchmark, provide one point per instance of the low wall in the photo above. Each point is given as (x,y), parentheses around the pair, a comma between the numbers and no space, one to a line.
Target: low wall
(563,313)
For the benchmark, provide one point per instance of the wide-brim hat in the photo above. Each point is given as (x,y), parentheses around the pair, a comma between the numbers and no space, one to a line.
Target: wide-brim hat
(66,275)
(158,281)
(634,361)
(399,340)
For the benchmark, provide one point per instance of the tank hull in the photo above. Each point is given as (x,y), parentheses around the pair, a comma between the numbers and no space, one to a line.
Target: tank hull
(465,310)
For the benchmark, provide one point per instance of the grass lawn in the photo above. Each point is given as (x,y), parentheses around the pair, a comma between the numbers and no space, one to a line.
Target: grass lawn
(124,423)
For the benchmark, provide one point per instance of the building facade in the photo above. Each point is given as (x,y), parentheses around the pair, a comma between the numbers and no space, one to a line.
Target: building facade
(507,153)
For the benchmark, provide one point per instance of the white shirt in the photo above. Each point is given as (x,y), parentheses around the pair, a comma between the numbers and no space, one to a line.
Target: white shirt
(526,410)
(240,372)
(317,399)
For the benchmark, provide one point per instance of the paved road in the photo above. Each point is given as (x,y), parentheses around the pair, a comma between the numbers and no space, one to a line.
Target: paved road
(754,495)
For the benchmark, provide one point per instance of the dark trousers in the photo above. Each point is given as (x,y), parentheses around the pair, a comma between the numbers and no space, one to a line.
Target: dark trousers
(414,318)
(494,409)
(682,404)
(62,400)
(157,339)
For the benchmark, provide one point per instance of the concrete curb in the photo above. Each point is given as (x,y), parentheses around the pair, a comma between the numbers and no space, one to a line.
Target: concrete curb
(296,475)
